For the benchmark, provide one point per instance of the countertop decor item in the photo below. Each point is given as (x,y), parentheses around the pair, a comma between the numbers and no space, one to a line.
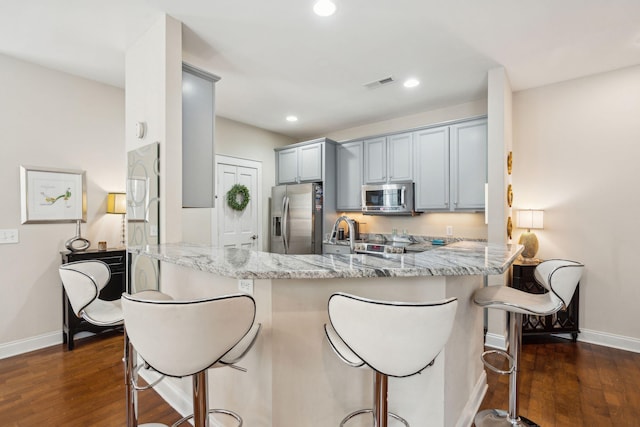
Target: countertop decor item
(117,204)
(529,219)
(238,203)
(77,243)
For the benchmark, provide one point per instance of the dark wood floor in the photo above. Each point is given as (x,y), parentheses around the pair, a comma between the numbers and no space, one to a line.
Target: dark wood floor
(564,384)
(84,387)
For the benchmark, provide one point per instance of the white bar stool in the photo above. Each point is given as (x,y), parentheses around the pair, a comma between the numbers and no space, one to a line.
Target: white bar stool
(186,338)
(83,281)
(397,339)
(560,278)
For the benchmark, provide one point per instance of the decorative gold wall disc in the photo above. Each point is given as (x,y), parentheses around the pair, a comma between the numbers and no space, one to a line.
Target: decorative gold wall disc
(509,162)
(509,195)
(509,227)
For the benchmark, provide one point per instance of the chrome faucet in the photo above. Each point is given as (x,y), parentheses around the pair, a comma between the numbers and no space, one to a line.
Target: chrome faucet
(352,231)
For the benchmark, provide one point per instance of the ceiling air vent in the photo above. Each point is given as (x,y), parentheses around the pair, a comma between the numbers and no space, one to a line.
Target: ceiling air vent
(377,83)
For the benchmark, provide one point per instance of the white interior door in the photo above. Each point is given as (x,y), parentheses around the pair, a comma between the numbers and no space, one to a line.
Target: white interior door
(240,229)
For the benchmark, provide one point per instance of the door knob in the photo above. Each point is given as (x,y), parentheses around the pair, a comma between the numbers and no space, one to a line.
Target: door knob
(254,237)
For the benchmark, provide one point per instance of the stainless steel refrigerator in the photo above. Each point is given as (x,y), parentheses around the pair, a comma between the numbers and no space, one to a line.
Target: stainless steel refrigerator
(296,219)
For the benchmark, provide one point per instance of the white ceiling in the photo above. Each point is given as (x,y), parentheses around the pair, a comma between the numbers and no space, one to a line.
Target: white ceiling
(276,58)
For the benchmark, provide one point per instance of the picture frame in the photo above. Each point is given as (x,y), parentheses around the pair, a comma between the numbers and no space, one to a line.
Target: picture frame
(50,195)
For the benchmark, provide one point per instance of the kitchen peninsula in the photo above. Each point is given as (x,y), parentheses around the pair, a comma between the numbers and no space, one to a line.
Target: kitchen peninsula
(293,377)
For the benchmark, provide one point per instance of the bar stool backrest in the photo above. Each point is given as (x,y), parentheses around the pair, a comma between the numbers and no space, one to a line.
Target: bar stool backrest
(83,281)
(181,338)
(560,277)
(397,339)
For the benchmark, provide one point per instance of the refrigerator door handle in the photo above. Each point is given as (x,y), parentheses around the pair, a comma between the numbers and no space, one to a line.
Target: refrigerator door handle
(285,223)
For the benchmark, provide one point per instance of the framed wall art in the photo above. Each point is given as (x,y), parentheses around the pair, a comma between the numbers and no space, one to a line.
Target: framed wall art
(52,195)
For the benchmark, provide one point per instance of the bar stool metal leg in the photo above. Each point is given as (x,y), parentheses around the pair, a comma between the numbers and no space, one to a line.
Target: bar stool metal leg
(380,410)
(200,400)
(498,417)
(129,373)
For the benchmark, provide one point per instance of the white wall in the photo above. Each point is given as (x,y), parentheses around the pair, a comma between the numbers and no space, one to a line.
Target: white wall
(576,150)
(52,119)
(470,225)
(154,96)
(240,140)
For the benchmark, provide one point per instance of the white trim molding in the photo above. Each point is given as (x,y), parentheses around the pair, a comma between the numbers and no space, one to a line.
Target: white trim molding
(609,340)
(496,341)
(26,345)
(474,402)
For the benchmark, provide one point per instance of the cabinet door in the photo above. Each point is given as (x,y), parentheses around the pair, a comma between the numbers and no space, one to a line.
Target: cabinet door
(198,139)
(375,160)
(431,162)
(400,152)
(350,176)
(310,163)
(468,164)
(288,166)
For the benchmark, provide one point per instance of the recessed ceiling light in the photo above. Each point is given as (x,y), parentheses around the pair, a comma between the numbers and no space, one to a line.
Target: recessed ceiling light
(411,83)
(324,8)
(292,119)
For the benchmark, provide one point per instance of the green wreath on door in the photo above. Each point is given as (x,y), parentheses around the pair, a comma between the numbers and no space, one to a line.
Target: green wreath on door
(238,197)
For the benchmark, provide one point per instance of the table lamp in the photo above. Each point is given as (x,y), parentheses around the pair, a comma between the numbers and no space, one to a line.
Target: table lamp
(529,219)
(117,204)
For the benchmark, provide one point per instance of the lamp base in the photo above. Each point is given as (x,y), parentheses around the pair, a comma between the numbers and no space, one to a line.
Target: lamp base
(530,243)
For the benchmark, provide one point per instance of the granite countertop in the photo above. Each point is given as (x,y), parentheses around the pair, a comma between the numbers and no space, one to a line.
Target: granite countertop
(456,259)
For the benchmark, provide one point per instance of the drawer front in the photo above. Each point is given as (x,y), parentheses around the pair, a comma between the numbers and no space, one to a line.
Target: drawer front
(115,259)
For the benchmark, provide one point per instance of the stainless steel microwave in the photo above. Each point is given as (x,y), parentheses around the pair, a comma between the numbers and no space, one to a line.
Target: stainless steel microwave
(388,199)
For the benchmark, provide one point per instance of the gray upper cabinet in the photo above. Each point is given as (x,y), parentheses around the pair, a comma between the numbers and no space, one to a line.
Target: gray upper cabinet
(288,166)
(349,170)
(302,162)
(451,167)
(469,164)
(388,159)
(432,169)
(198,101)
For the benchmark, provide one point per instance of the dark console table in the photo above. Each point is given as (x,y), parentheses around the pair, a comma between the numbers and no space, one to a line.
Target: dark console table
(116,259)
(564,321)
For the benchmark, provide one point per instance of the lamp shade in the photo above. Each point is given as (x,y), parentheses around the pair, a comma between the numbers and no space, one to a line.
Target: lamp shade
(530,219)
(117,203)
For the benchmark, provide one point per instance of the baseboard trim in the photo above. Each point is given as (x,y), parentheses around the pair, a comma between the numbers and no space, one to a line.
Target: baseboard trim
(15,348)
(475,400)
(609,340)
(496,341)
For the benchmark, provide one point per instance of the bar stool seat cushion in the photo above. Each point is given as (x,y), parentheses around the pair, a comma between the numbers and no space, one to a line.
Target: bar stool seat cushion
(341,349)
(240,349)
(104,313)
(558,277)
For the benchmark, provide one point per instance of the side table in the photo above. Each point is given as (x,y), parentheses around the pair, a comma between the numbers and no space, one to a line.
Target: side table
(564,321)
(116,259)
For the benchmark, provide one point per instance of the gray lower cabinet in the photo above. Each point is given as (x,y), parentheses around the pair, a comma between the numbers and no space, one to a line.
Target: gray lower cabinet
(349,170)
(451,167)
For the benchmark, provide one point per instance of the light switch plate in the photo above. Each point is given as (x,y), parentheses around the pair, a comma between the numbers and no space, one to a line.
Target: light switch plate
(9,236)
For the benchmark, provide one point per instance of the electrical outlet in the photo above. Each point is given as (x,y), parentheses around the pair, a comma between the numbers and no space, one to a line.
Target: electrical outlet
(449,230)
(9,236)
(153,230)
(246,286)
